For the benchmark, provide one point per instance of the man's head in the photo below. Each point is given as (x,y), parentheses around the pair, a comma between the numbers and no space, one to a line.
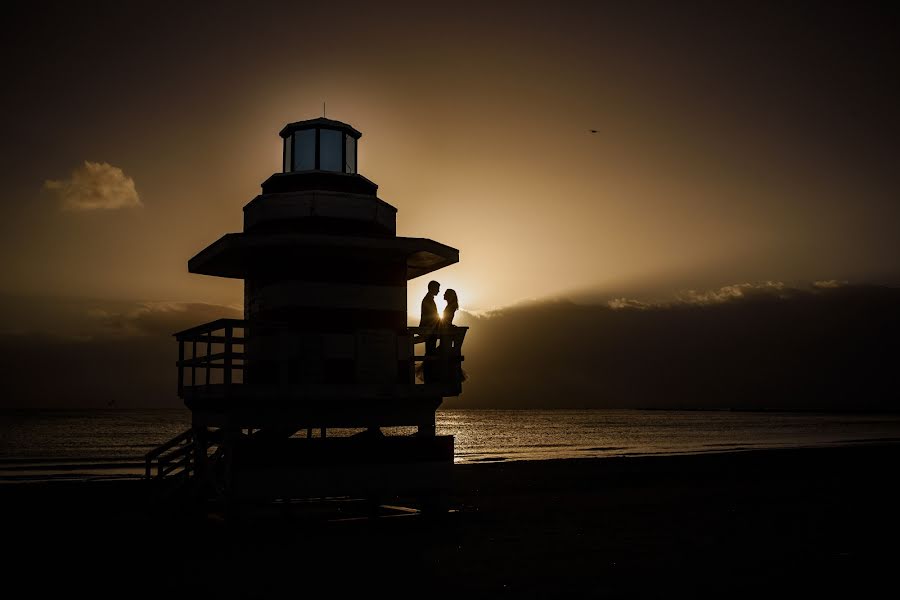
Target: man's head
(433,288)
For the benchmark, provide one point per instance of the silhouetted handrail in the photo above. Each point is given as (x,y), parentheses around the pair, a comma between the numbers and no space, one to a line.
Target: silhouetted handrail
(207,334)
(204,360)
(442,361)
(207,328)
(183,445)
(453,331)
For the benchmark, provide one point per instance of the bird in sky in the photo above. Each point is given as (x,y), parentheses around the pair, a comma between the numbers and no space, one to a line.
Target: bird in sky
(592,130)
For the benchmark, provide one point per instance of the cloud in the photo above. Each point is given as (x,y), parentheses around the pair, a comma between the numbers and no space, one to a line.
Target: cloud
(623,303)
(829,284)
(159,318)
(70,352)
(85,319)
(747,346)
(728,293)
(95,186)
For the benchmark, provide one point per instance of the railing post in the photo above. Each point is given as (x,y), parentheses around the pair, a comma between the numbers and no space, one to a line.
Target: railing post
(229,330)
(181,368)
(411,353)
(208,353)
(193,363)
(200,459)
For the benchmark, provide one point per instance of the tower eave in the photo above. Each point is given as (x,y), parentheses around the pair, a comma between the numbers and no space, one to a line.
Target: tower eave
(234,254)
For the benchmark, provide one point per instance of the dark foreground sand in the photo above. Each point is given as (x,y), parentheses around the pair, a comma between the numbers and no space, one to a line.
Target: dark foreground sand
(807,523)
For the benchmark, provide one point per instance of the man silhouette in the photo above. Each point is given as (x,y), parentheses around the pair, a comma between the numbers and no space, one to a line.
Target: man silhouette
(429,308)
(430,321)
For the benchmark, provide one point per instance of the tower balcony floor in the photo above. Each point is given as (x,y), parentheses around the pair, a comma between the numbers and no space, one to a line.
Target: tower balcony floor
(313,407)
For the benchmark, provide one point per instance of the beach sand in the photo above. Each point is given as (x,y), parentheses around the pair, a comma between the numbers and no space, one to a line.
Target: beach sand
(802,522)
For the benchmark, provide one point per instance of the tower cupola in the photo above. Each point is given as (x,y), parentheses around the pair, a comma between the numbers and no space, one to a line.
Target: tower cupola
(320,145)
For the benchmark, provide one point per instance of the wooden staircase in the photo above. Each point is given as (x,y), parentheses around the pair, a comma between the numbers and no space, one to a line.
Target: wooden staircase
(175,458)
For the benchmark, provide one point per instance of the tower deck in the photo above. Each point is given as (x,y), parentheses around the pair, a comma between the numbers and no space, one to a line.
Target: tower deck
(212,380)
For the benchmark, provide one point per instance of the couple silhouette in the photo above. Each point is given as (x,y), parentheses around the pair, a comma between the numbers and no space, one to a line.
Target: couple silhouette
(430,317)
(435,328)
(432,324)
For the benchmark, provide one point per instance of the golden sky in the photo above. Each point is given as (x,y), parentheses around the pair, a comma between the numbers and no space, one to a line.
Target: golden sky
(732,145)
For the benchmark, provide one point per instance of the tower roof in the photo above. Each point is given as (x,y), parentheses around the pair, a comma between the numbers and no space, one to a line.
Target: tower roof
(320,122)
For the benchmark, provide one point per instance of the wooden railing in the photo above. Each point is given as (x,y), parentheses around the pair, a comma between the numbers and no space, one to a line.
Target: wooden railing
(218,347)
(442,357)
(220,332)
(176,454)
(450,338)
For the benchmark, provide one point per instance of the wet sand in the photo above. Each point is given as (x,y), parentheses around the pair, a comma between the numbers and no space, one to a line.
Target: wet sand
(802,522)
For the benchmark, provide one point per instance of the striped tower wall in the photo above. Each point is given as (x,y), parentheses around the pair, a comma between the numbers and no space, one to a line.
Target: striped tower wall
(346,313)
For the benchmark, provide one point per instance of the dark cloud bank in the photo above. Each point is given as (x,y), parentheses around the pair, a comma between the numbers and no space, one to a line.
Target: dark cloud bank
(81,353)
(748,347)
(821,348)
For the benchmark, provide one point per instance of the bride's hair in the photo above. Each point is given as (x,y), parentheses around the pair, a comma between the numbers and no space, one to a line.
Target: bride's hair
(450,296)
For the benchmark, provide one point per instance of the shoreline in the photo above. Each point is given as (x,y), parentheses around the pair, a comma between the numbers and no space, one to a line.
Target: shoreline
(16,470)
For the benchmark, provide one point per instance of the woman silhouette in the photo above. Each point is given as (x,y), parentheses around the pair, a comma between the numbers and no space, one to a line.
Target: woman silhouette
(453,370)
(450,309)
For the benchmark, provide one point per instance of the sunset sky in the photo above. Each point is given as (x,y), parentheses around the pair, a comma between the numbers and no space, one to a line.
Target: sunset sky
(738,146)
(735,142)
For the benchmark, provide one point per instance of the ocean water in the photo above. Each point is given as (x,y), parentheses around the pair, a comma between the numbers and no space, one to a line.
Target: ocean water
(112,443)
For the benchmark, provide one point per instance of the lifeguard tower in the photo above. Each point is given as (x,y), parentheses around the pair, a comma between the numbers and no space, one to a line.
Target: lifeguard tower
(294,398)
